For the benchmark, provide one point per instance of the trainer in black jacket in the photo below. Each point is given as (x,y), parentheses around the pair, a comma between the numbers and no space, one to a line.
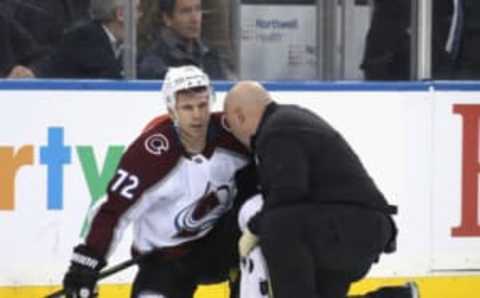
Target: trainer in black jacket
(324,221)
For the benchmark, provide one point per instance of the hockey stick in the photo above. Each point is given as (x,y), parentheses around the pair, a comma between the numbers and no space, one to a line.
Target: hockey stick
(105,273)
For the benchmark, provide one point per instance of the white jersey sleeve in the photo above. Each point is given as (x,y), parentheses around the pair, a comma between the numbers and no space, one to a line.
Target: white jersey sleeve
(254,282)
(249,209)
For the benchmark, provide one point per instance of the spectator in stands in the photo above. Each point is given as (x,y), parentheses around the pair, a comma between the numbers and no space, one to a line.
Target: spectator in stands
(455,40)
(179,43)
(462,49)
(47,20)
(92,50)
(387,48)
(17,46)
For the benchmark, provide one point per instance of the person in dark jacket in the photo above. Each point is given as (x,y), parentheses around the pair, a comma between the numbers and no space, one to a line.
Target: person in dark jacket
(324,222)
(85,52)
(179,43)
(387,46)
(48,20)
(455,40)
(17,46)
(92,50)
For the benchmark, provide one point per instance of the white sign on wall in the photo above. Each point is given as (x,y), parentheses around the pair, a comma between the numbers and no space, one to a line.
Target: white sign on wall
(278,42)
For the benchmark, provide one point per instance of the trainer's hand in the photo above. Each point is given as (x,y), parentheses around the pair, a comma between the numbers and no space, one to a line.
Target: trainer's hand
(247,242)
(81,277)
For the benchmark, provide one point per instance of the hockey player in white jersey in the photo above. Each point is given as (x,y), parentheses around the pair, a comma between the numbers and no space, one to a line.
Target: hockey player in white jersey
(175,183)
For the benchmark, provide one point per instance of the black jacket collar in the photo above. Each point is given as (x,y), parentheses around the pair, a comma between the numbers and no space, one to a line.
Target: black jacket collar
(269,110)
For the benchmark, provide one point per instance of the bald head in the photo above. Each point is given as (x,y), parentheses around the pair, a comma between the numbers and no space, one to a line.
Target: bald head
(248,93)
(244,106)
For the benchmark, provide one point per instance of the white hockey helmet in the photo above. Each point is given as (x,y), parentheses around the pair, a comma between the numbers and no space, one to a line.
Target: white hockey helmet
(184,78)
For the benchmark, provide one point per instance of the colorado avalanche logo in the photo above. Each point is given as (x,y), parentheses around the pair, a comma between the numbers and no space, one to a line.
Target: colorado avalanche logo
(202,214)
(156,144)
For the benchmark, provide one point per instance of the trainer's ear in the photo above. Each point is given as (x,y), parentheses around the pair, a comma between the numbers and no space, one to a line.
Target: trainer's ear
(240,114)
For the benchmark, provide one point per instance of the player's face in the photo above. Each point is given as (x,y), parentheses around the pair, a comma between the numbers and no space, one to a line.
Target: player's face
(193,111)
(186,18)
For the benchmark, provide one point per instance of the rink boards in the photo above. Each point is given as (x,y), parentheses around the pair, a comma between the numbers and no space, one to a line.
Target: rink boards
(419,141)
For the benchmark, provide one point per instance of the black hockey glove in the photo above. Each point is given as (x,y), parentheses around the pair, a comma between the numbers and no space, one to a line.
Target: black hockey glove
(81,277)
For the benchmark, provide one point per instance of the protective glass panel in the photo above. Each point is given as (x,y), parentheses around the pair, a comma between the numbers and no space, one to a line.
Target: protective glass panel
(239,39)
